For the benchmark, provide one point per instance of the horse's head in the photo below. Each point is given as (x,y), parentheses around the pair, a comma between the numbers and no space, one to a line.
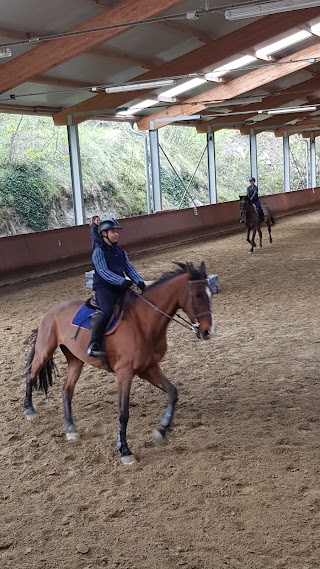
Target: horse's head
(195,301)
(244,202)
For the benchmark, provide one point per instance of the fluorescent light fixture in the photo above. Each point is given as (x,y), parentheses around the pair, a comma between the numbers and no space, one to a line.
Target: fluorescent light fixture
(284,110)
(231,66)
(140,86)
(234,102)
(281,44)
(264,8)
(5,52)
(163,99)
(315,29)
(137,107)
(184,87)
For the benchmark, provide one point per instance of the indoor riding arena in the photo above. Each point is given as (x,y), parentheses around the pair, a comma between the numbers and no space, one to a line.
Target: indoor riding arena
(237,484)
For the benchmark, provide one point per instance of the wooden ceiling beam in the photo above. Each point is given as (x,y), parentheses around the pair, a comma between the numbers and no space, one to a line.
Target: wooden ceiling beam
(303,90)
(243,84)
(49,54)
(208,55)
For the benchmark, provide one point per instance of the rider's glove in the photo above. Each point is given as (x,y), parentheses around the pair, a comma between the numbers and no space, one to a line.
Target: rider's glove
(126,284)
(141,285)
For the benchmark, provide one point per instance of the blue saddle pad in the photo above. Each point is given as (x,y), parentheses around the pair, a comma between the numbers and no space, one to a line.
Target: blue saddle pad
(82,319)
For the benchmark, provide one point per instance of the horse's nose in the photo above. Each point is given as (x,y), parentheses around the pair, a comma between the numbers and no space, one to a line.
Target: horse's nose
(206,334)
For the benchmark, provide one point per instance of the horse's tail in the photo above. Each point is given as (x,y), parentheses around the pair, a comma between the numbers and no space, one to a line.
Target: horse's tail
(44,377)
(273,220)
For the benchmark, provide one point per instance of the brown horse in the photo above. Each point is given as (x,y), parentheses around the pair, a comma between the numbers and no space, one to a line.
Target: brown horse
(136,347)
(250,218)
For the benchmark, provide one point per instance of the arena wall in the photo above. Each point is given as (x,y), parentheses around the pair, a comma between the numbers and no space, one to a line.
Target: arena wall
(44,252)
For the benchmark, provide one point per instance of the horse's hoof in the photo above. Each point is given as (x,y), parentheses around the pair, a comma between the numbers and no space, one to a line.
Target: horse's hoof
(158,438)
(128,460)
(31,415)
(72,437)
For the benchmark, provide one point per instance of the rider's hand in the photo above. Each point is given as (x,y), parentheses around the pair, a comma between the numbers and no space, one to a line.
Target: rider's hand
(126,284)
(141,285)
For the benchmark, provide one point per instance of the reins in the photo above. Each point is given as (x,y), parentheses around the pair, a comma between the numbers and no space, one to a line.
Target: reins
(188,325)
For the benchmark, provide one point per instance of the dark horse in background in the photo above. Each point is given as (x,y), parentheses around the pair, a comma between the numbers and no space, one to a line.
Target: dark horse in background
(135,348)
(252,221)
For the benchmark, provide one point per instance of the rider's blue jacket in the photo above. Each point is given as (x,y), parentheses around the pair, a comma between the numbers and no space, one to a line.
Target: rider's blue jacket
(111,263)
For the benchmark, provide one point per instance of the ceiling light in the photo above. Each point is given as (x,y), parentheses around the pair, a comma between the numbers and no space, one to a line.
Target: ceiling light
(164,99)
(5,52)
(281,44)
(264,8)
(284,110)
(184,87)
(138,107)
(234,102)
(140,86)
(228,67)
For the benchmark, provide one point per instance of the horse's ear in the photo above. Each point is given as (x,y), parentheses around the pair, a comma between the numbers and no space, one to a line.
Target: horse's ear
(190,268)
(203,268)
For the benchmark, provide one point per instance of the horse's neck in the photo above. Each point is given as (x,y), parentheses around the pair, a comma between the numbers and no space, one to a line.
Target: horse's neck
(164,296)
(251,214)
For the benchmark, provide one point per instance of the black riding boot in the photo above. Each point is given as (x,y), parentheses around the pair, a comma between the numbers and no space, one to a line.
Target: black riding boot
(99,321)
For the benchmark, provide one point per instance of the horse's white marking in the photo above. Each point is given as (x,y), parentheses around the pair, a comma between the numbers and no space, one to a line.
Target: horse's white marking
(71,437)
(209,293)
(128,460)
(31,417)
(212,329)
(158,439)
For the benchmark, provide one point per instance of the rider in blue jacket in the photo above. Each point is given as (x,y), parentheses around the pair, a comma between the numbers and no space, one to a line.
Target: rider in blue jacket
(113,275)
(252,193)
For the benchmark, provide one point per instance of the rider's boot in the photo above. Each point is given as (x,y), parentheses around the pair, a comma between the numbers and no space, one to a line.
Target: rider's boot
(99,322)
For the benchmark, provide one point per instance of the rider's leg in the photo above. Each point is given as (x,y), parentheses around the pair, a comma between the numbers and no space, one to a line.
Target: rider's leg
(105,300)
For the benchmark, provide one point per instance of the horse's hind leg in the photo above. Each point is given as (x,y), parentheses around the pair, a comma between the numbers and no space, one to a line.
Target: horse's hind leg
(44,346)
(269,230)
(158,379)
(124,382)
(74,370)
(260,236)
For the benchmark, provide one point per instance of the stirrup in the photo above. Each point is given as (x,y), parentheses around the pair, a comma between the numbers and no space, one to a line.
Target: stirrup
(94,350)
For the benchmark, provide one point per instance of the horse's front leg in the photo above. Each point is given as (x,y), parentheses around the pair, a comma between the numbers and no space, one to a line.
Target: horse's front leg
(248,235)
(253,240)
(155,376)
(74,370)
(124,382)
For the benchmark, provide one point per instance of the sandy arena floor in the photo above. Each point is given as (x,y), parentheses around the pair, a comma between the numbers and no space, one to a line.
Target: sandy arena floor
(238,484)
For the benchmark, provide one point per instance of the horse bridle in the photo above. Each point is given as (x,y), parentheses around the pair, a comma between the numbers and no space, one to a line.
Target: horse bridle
(189,325)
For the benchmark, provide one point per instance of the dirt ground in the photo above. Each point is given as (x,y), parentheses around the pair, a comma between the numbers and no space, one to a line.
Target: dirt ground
(238,484)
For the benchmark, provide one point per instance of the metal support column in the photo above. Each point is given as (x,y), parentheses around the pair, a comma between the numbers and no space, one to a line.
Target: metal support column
(76,175)
(212,177)
(155,170)
(286,162)
(313,163)
(253,156)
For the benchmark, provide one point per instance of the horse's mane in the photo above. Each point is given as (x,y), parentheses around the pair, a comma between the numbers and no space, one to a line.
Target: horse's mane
(196,274)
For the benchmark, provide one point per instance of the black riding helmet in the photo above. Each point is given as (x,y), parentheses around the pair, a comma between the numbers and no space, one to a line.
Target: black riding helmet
(107,224)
